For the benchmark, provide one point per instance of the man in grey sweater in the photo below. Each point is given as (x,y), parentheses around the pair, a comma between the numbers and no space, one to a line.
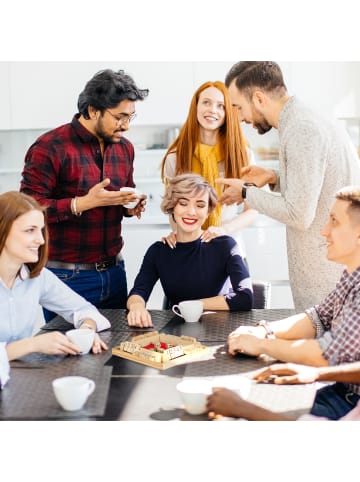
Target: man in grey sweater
(315,160)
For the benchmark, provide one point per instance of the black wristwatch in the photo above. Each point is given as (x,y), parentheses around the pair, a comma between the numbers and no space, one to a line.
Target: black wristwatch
(244,188)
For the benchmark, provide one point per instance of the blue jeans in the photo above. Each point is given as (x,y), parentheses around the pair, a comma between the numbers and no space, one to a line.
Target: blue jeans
(104,289)
(334,401)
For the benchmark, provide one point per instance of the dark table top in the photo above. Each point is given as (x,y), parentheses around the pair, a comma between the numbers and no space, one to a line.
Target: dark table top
(126,390)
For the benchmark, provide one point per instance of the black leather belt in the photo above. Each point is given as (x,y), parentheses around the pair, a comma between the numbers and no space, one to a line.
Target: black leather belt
(100,266)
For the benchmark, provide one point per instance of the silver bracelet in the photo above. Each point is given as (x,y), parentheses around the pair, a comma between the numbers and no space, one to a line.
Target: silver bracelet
(74,207)
(269,332)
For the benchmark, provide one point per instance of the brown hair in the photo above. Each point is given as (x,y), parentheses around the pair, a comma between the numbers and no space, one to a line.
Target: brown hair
(232,142)
(186,184)
(14,204)
(249,76)
(351,194)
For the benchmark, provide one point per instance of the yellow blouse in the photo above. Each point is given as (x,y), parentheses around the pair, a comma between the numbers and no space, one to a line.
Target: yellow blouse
(205,162)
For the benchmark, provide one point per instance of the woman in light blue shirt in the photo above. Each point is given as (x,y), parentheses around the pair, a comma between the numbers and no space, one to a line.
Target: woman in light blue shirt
(25,283)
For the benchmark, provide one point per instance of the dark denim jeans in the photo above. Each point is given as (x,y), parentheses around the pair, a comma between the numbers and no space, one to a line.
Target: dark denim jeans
(104,289)
(334,401)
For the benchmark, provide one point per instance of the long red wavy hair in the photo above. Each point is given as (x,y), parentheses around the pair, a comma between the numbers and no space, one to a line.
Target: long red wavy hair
(231,140)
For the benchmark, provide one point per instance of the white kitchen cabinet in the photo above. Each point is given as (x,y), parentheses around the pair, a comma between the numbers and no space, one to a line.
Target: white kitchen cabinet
(170,87)
(330,88)
(265,242)
(5,118)
(137,239)
(266,250)
(45,94)
(147,164)
(13,145)
(210,71)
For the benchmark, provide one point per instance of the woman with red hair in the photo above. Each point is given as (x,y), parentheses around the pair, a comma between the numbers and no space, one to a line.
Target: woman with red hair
(211,144)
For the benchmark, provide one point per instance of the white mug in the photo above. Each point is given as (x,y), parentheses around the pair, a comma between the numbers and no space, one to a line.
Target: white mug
(82,338)
(189,310)
(193,394)
(72,392)
(131,204)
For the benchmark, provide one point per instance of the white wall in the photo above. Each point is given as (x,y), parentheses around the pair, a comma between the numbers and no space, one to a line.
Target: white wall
(44,94)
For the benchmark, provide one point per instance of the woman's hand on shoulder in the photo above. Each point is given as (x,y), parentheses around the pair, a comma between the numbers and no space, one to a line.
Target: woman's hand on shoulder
(212,232)
(170,240)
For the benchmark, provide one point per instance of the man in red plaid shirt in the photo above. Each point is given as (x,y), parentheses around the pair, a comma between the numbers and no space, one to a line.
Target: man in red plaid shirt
(77,170)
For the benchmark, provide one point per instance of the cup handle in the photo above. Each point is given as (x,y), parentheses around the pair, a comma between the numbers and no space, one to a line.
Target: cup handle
(175,308)
(91,387)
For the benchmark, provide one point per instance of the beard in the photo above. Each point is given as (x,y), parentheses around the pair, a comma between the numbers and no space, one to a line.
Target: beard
(259,122)
(262,127)
(106,137)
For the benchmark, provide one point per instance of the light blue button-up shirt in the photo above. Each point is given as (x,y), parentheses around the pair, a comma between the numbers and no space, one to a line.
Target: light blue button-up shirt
(19,305)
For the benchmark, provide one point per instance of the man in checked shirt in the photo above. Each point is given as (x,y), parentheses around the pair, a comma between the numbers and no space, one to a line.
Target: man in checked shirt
(77,170)
(327,333)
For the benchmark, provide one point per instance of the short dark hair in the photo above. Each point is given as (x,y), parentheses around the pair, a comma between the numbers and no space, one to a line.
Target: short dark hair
(249,75)
(351,194)
(107,89)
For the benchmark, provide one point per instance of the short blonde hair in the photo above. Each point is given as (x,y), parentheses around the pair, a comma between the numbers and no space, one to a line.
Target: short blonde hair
(185,184)
(351,194)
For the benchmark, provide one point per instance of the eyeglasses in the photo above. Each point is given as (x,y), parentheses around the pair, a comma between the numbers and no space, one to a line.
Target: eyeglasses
(122,118)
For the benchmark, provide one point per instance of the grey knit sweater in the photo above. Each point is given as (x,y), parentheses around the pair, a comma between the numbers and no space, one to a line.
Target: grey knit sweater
(315,160)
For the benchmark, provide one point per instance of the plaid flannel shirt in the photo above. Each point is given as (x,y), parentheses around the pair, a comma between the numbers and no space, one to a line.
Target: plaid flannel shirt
(337,322)
(67,162)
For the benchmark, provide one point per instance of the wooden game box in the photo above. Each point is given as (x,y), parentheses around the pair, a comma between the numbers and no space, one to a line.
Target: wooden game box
(160,350)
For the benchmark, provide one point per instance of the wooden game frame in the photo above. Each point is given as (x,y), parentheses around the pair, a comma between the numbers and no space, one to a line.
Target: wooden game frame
(182,350)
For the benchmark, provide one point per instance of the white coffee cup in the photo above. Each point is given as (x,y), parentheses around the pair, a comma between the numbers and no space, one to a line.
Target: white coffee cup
(193,394)
(131,204)
(189,310)
(83,338)
(73,391)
